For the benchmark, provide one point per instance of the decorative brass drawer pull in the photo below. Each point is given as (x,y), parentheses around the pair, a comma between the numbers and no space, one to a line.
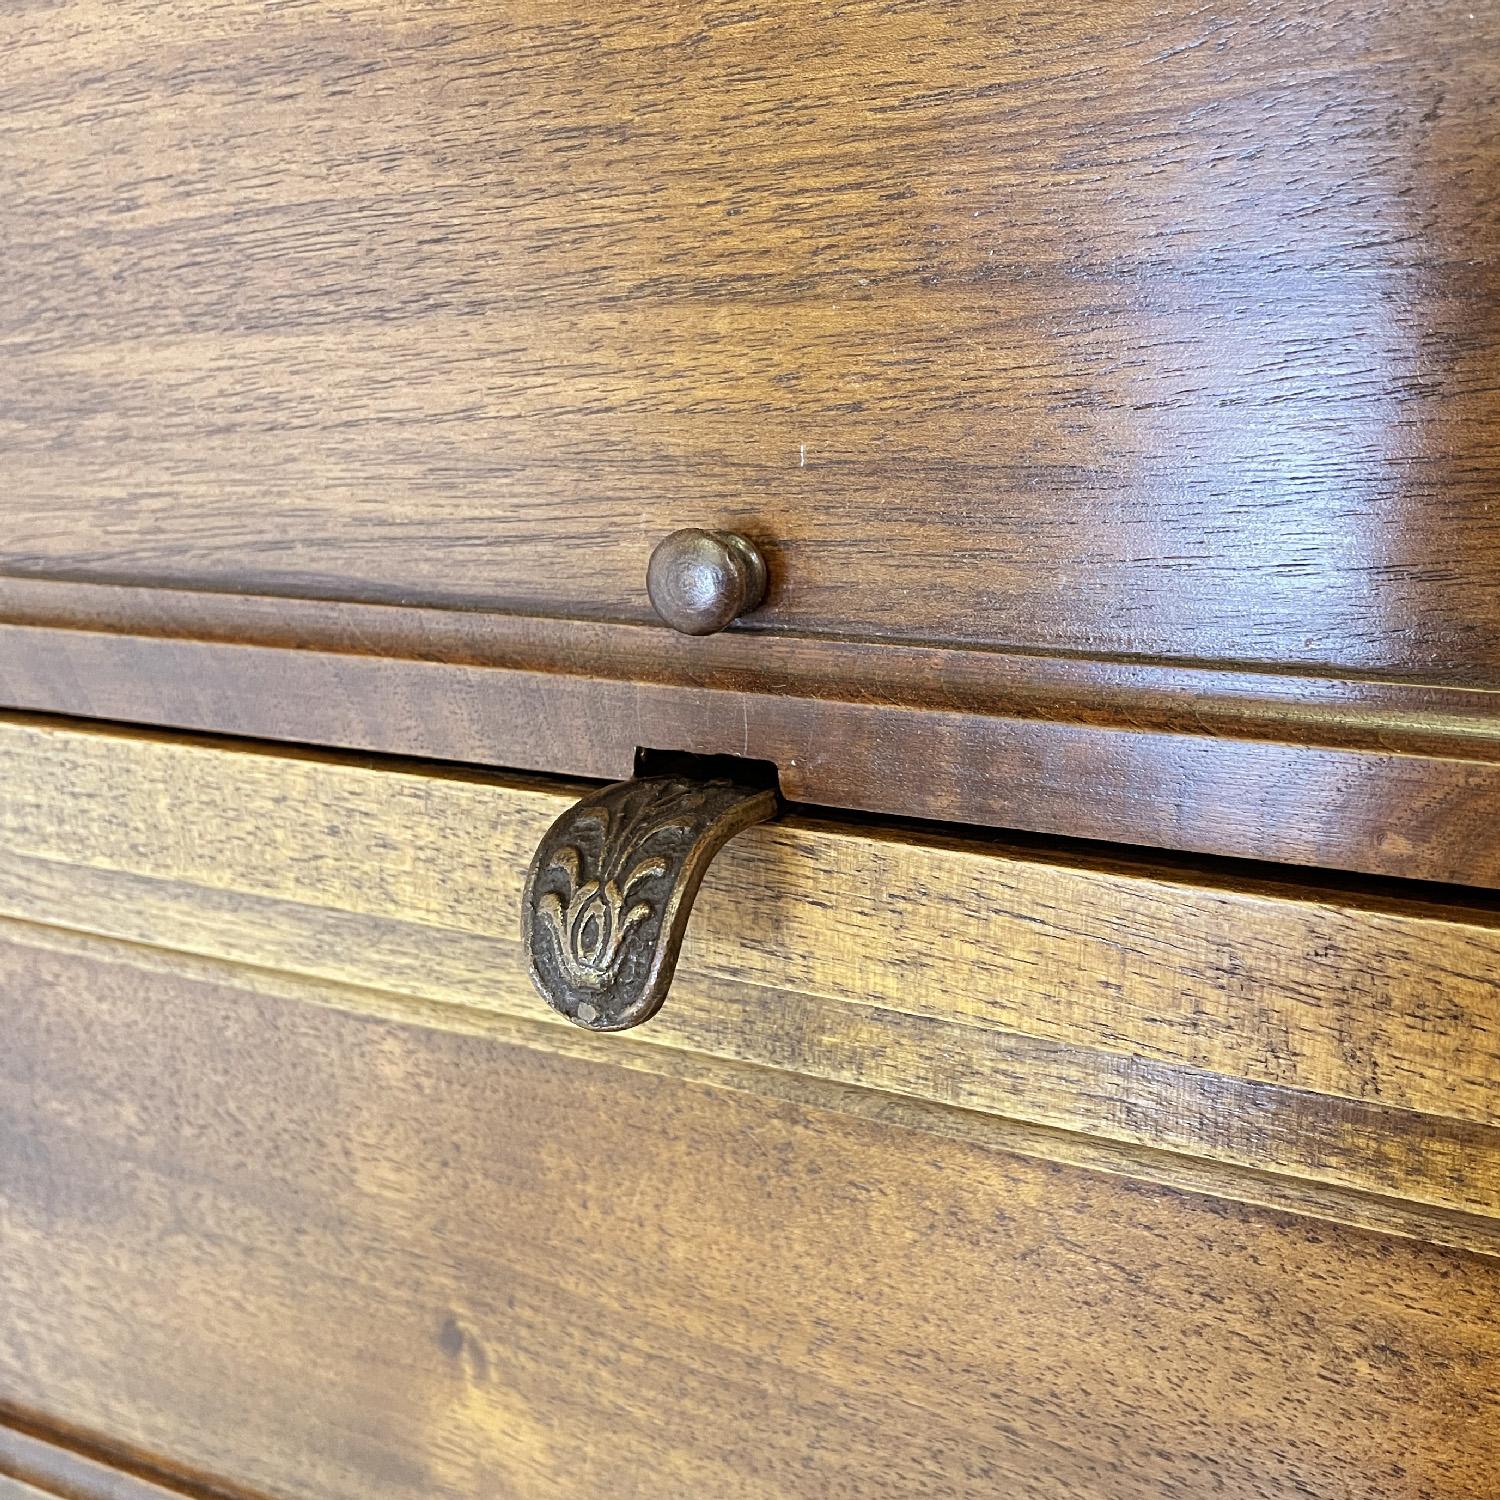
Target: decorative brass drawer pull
(700,581)
(612,884)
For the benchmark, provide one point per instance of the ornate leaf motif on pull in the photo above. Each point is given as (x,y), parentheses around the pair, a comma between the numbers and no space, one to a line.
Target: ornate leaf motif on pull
(610,888)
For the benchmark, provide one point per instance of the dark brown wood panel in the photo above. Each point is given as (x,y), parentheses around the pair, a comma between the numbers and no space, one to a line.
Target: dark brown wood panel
(1132,329)
(333,1257)
(1381,776)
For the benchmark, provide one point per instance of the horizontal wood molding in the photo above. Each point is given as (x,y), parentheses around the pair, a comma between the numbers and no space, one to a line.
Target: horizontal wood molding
(51,1465)
(1358,711)
(484,1268)
(31,945)
(1387,777)
(1338,1036)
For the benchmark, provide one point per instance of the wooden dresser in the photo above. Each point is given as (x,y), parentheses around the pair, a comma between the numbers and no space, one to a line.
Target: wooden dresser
(1075,429)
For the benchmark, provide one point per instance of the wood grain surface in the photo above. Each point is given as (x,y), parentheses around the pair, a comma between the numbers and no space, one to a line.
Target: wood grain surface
(1144,329)
(54,1466)
(1339,1037)
(18,1489)
(1380,776)
(483,1269)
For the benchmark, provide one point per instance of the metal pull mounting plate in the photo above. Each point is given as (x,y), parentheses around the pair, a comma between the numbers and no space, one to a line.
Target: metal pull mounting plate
(611,887)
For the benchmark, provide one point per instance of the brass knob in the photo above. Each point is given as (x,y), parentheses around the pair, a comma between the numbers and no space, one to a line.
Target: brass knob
(701,580)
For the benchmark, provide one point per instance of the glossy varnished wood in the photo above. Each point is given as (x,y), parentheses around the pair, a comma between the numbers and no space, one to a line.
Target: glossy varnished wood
(1130,341)
(18,1489)
(52,1465)
(1371,774)
(1145,330)
(484,1269)
(1336,1037)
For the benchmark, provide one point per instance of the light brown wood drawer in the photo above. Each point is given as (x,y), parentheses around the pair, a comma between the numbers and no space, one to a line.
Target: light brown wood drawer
(952,1167)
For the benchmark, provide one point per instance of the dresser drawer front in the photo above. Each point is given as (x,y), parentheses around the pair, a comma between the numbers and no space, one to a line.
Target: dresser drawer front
(1328,1035)
(1104,332)
(1114,415)
(948,1163)
(313,1253)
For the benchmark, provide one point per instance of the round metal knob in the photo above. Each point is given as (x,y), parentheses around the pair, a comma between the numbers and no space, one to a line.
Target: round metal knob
(701,580)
